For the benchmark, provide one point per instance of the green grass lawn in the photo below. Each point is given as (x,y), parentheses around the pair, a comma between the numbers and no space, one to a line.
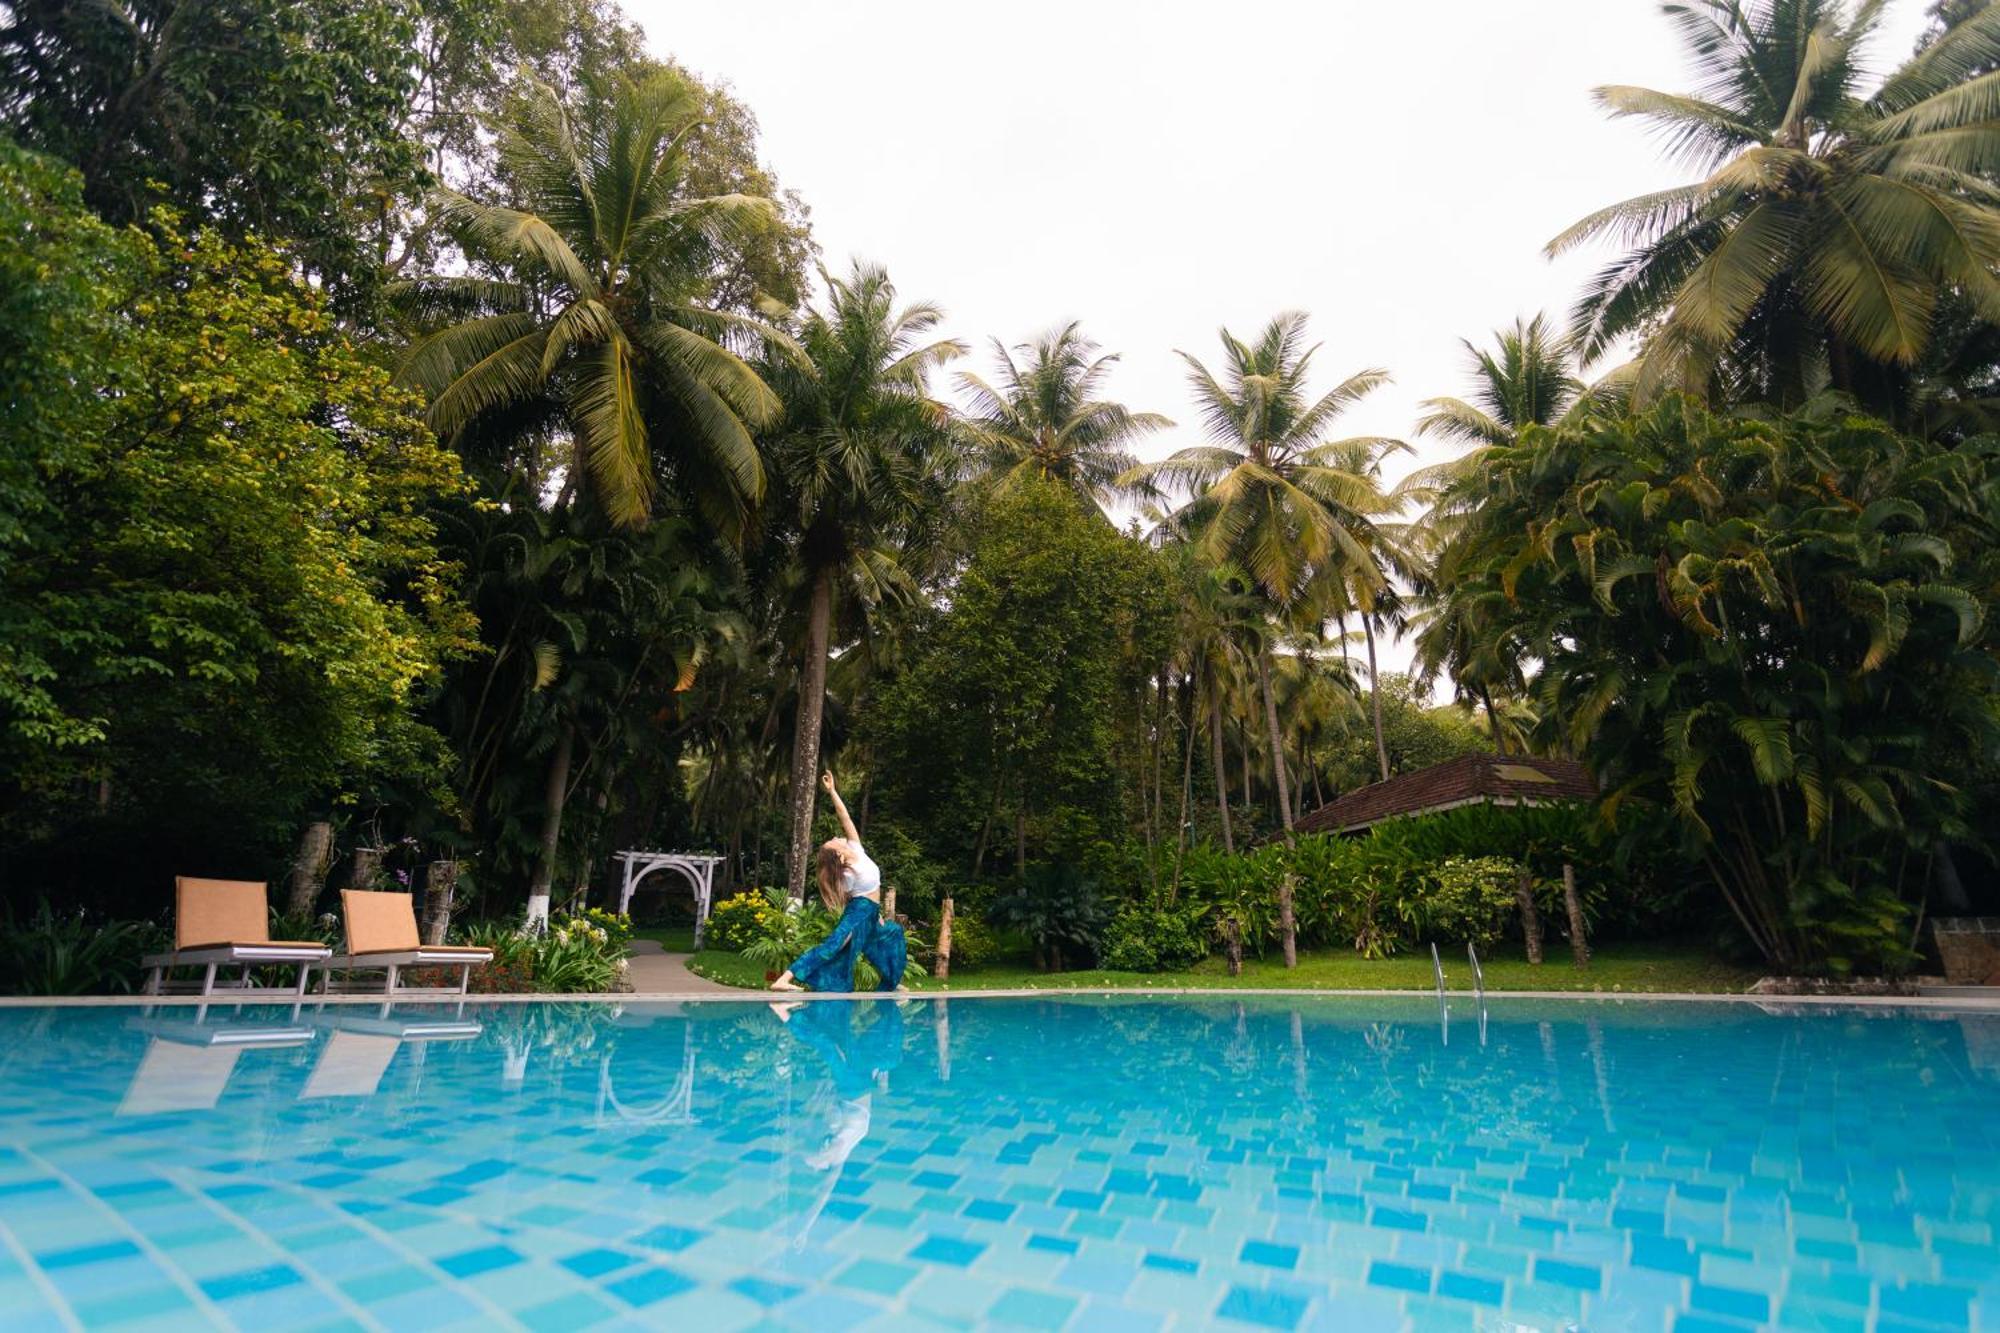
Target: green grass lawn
(674,939)
(1626,968)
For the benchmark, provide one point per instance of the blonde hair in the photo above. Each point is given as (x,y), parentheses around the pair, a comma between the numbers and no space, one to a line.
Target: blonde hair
(832,866)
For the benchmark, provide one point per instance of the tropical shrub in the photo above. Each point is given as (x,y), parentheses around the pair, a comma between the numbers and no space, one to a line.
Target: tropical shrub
(1061,911)
(1774,628)
(70,953)
(1155,937)
(1463,900)
(741,919)
(974,941)
(616,925)
(576,955)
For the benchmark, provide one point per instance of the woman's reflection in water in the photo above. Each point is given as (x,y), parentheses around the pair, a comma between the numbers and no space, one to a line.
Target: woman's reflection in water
(858,1064)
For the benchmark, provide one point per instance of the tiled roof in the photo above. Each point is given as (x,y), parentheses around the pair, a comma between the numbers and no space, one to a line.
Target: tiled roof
(1498,779)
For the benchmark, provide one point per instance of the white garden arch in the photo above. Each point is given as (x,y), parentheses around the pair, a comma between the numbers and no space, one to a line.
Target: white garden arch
(697,869)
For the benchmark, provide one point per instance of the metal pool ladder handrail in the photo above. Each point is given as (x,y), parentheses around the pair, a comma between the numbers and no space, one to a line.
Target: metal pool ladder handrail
(1444,1010)
(1478,987)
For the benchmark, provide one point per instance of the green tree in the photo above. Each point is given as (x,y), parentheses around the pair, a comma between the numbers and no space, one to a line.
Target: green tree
(1418,735)
(221,594)
(285,120)
(1527,380)
(599,327)
(1005,732)
(1830,223)
(1271,495)
(864,460)
(1045,418)
(1774,628)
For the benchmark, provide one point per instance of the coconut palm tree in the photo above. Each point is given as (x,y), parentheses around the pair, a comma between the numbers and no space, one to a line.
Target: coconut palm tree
(1045,418)
(1526,379)
(864,461)
(1828,222)
(595,328)
(1220,618)
(1270,494)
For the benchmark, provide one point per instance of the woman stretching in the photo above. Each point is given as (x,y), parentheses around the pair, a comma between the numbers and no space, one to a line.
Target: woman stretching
(851,884)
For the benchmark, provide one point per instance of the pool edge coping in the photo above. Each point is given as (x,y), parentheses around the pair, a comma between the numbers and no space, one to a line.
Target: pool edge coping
(1980,1004)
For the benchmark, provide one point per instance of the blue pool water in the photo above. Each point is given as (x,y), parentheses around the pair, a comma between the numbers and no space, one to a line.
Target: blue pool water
(1062,1163)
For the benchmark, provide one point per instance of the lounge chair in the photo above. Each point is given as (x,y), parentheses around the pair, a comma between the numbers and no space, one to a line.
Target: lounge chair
(225,923)
(382,936)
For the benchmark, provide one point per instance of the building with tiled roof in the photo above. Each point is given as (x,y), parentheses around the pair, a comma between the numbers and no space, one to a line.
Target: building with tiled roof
(1473,779)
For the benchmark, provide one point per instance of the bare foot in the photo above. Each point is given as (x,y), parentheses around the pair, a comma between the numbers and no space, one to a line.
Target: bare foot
(785,983)
(783,1009)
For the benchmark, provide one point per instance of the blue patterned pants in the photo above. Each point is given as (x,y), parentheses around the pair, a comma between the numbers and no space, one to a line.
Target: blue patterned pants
(861,932)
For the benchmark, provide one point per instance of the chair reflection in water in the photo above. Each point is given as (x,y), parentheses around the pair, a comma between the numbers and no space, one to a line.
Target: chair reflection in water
(188,1062)
(858,1064)
(362,1041)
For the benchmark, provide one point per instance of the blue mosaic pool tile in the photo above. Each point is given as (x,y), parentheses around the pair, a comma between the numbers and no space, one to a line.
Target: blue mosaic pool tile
(1267,1255)
(471,1263)
(1265,1309)
(1399,1277)
(1927,1302)
(1471,1287)
(385,1284)
(1700,1323)
(576,1310)
(947,1250)
(251,1281)
(1398,1220)
(1021,1308)
(649,1286)
(1583,1277)
(669,1238)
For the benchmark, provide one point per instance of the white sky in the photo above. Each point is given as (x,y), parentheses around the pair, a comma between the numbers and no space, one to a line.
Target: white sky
(1158,170)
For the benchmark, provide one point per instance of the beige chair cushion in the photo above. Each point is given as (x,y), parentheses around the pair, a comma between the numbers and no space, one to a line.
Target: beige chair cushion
(211,912)
(379,922)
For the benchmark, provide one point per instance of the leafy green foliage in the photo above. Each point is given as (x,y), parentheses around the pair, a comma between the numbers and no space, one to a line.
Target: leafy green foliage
(1014,702)
(578,954)
(597,323)
(226,596)
(1060,910)
(1154,937)
(1829,223)
(282,121)
(742,919)
(1416,734)
(1773,628)
(1047,419)
(71,953)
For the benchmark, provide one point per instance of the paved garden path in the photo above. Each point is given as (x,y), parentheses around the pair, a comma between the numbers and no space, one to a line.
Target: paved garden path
(654,971)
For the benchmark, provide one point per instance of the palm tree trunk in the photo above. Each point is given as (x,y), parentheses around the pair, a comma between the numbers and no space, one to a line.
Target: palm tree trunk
(1277,742)
(309,868)
(1243,753)
(1493,720)
(1375,696)
(1221,776)
(805,744)
(555,793)
(1187,789)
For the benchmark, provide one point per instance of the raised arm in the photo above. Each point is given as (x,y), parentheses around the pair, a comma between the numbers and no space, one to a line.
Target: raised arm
(847,829)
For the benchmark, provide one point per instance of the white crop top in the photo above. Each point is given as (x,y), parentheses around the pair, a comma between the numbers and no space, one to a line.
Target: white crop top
(863,878)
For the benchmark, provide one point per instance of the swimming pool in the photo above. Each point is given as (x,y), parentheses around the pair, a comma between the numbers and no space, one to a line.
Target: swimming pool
(1109,1163)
